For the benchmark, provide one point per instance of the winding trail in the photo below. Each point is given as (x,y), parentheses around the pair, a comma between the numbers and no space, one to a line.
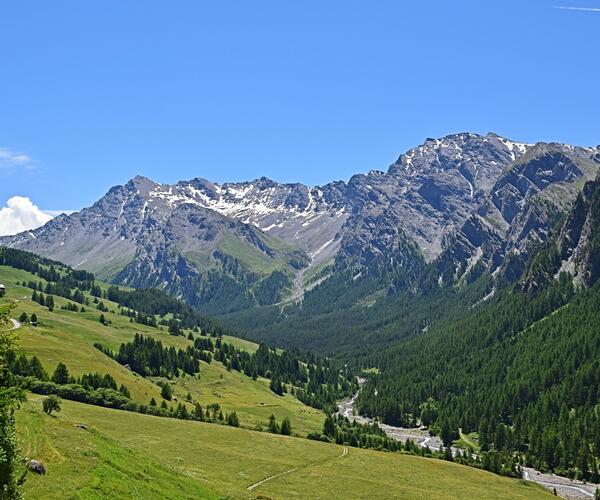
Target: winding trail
(274,476)
(252,486)
(15,323)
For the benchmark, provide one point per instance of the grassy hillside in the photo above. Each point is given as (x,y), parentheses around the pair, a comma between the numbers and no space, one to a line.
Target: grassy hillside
(125,455)
(68,337)
(95,452)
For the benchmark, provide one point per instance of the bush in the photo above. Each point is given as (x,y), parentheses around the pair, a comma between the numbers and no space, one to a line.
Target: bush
(50,404)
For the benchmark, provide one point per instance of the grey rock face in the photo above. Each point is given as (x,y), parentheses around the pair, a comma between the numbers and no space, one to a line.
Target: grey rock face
(427,194)
(463,200)
(579,244)
(520,209)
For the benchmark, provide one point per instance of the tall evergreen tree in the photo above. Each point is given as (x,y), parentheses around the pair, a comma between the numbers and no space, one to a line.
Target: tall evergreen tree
(11,469)
(286,427)
(61,374)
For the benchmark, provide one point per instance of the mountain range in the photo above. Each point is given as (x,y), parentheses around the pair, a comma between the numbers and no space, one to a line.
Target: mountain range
(463,284)
(459,204)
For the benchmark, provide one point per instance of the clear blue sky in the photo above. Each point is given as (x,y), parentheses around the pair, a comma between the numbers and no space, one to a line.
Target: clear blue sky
(93,93)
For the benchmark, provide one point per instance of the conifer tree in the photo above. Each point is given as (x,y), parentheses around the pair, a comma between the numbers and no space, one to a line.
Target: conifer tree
(273,427)
(232,419)
(12,472)
(286,427)
(61,374)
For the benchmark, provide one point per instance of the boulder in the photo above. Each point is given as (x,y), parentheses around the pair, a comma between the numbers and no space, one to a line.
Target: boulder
(36,466)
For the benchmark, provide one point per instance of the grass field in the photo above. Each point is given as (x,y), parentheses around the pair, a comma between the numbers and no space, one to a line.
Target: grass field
(252,400)
(127,455)
(68,337)
(466,441)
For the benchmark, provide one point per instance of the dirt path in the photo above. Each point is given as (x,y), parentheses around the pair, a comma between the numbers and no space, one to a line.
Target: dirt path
(252,486)
(15,323)
(274,476)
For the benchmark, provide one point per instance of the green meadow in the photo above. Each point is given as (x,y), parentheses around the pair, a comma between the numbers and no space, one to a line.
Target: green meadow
(127,455)
(95,452)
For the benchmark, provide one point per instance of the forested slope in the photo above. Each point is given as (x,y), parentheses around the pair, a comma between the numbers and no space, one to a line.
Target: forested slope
(522,368)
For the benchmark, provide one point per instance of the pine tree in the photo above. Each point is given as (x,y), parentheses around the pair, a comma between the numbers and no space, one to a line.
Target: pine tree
(286,427)
(61,374)
(232,419)
(276,386)
(166,392)
(123,390)
(198,414)
(36,369)
(329,426)
(446,433)
(273,427)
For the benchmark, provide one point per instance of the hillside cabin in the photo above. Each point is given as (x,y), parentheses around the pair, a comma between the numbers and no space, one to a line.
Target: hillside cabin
(2,290)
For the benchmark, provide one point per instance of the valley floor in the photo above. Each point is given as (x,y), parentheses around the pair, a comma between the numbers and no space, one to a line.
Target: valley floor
(566,488)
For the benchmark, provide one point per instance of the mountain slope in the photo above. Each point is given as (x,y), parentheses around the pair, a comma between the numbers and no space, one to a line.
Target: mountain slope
(198,460)
(136,236)
(462,201)
(520,369)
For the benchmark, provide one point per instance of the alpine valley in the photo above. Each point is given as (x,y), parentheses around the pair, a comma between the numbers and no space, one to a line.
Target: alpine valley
(460,285)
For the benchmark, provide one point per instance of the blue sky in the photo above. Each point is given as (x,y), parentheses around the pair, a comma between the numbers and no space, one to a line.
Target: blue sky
(93,93)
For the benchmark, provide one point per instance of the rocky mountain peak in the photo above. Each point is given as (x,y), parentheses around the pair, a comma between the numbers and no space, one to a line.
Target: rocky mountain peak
(141,184)
(459,198)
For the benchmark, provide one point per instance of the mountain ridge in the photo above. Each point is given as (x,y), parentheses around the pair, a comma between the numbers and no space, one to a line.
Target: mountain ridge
(257,240)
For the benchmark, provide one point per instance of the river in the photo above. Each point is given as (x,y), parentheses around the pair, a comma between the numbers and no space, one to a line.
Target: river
(565,487)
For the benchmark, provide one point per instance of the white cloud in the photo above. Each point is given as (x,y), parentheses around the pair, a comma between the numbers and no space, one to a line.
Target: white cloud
(585,9)
(20,214)
(10,158)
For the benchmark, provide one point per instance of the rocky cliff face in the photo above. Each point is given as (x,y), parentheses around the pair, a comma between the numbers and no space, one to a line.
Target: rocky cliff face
(426,195)
(522,206)
(579,239)
(462,202)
